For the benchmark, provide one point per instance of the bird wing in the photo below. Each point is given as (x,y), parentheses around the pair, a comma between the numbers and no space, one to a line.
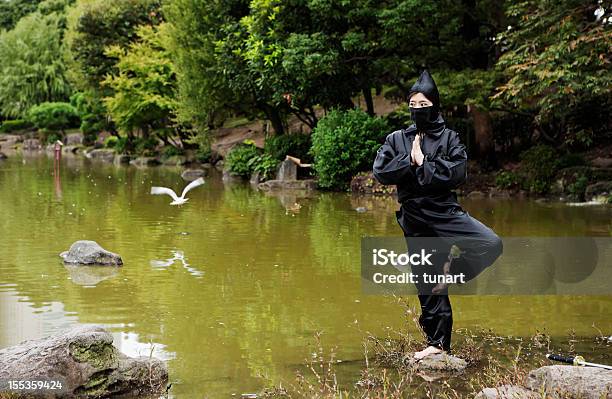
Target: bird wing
(197,182)
(164,190)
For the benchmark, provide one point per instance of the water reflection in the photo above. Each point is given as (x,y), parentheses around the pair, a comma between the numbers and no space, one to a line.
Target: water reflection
(177,256)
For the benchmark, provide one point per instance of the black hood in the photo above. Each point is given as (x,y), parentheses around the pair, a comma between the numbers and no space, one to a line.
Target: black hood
(426,85)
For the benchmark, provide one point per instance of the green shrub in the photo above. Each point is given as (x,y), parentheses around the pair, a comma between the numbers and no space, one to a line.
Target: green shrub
(538,167)
(506,179)
(111,141)
(578,188)
(53,116)
(344,143)
(238,160)
(203,155)
(92,113)
(145,146)
(121,146)
(171,151)
(265,164)
(297,145)
(14,125)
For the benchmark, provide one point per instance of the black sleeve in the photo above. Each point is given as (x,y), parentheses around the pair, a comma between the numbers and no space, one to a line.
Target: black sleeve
(391,165)
(445,172)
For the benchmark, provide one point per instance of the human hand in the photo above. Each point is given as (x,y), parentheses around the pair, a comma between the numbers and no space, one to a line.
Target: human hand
(416,154)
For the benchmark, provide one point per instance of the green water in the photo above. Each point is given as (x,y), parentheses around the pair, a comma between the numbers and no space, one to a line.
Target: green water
(232,287)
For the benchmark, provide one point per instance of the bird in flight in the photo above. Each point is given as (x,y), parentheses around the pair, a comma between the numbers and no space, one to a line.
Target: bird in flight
(176,199)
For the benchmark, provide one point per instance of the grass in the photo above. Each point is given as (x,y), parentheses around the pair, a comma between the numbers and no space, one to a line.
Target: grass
(493,360)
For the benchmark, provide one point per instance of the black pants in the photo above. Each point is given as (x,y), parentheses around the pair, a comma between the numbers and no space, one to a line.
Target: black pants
(435,217)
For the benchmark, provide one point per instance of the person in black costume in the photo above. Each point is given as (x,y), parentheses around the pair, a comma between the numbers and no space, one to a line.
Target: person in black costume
(426,161)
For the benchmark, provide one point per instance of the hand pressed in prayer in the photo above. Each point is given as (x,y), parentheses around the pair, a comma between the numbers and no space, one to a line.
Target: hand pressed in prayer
(416,154)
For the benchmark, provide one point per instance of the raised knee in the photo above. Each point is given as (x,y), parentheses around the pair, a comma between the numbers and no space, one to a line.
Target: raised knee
(496,247)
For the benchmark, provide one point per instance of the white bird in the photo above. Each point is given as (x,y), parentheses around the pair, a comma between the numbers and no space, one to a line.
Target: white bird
(177,200)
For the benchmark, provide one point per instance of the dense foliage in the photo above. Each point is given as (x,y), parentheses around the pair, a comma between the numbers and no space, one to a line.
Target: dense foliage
(344,143)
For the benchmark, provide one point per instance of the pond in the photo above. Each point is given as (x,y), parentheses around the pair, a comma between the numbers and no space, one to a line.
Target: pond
(232,287)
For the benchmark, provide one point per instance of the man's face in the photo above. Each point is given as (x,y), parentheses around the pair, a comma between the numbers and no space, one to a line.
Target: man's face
(419,100)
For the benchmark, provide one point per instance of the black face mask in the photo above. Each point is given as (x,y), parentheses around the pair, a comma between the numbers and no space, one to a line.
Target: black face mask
(423,118)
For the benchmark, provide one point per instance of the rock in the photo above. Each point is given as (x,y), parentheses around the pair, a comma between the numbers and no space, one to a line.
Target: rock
(176,160)
(571,382)
(306,184)
(145,161)
(87,364)
(122,159)
(72,149)
(2,156)
(31,145)
(494,192)
(74,139)
(566,177)
(287,170)
(192,174)
(8,141)
(602,162)
(219,165)
(101,154)
(255,180)
(507,392)
(90,253)
(437,362)
(602,188)
(361,209)
(476,194)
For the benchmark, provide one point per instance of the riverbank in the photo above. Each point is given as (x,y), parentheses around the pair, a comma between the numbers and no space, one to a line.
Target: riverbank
(484,365)
(589,182)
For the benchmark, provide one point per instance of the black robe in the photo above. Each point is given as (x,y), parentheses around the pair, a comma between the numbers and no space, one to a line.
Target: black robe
(429,208)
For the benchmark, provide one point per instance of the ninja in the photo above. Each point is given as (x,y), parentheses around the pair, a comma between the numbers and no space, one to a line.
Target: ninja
(426,161)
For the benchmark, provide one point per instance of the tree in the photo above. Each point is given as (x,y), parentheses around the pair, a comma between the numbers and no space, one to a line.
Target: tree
(143,89)
(555,63)
(30,70)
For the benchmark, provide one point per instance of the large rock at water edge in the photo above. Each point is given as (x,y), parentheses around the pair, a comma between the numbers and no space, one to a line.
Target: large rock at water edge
(441,362)
(571,382)
(86,363)
(90,253)
(101,154)
(507,392)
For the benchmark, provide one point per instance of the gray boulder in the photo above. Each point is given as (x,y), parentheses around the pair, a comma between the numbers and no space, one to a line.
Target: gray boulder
(507,392)
(441,362)
(601,188)
(90,253)
(86,363)
(101,154)
(32,145)
(74,139)
(287,170)
(571,382)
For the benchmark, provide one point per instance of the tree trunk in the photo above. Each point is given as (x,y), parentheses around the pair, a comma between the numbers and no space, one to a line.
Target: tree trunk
(483,132)
(367,95)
